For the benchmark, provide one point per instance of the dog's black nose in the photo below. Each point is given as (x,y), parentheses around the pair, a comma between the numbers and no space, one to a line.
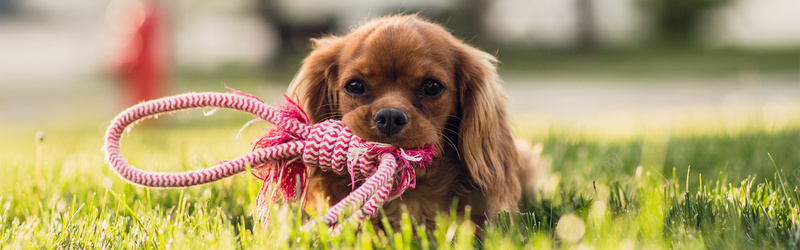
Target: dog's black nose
(390,121)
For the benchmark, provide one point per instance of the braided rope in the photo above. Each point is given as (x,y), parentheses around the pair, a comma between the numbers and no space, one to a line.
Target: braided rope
(329,145)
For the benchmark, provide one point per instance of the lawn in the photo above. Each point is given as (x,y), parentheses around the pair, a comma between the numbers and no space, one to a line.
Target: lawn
(691,186)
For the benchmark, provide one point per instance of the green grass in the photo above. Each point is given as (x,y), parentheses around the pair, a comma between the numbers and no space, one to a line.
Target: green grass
(635,191)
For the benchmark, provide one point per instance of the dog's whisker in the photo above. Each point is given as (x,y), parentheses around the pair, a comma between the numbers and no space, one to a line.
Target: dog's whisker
(450,143)
(453,131)
(449,116)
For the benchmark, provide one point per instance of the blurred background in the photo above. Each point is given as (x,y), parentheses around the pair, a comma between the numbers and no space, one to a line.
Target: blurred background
(597,63)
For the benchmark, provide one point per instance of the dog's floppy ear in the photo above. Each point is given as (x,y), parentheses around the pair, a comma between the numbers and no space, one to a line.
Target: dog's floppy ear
(485,141)
(313,83)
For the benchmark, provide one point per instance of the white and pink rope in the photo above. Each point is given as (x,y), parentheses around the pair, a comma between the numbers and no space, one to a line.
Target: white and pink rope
(290,149)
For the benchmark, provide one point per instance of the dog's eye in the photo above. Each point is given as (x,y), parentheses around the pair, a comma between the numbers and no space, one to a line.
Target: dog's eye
(355,87)
(432,88)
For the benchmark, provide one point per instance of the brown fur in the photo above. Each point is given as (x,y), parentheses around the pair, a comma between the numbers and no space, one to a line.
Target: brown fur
(477,162)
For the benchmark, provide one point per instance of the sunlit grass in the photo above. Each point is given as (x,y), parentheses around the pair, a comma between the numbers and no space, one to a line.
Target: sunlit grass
(714,183)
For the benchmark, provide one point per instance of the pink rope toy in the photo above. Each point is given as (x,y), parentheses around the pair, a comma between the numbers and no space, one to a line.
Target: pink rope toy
(282,157)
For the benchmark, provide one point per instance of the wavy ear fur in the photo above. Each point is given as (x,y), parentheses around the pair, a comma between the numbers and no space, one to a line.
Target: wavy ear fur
(485,143)
(313,83)
(313,87)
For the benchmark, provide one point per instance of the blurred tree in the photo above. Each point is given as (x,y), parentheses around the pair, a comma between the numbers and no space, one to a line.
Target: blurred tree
(466,19)
(677,20)
(587,38)
(9,8)
(471,17)
(293,37)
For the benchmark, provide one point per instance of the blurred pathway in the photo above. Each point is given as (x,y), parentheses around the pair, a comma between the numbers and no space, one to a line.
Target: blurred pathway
(562,98)
(568,98)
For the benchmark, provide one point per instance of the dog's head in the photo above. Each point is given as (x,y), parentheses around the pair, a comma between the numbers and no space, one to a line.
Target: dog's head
(408,82)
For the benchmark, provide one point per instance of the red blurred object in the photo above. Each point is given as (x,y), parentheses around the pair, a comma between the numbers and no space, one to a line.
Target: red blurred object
(142,60)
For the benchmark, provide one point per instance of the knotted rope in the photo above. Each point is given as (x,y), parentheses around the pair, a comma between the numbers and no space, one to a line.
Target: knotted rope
(282,157)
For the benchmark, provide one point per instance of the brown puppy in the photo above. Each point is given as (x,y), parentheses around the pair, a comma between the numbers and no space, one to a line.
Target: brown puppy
(408,82)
